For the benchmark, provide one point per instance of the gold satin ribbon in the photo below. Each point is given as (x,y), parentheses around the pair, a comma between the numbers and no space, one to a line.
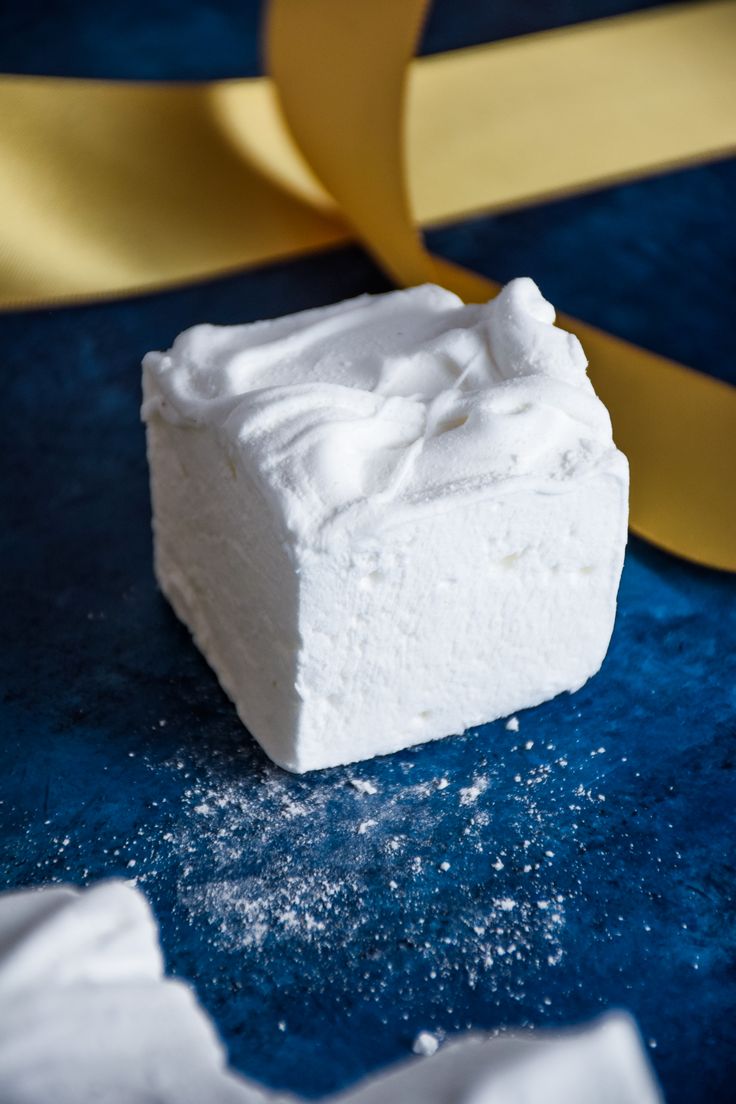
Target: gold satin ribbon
(677,427)
(111,187)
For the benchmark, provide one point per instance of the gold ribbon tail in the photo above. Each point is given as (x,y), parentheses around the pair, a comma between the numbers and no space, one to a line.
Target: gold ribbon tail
(341,75)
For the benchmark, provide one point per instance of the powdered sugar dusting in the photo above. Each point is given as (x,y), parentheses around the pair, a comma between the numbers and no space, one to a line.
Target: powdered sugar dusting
(470,794)
(268,863)
(444,891)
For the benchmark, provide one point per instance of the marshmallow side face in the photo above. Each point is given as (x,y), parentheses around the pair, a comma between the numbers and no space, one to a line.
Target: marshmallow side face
(387,520)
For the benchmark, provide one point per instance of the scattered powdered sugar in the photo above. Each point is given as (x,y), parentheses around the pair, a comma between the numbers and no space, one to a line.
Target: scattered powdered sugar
(247,913)
(270,863)
(470,794)
(395,887)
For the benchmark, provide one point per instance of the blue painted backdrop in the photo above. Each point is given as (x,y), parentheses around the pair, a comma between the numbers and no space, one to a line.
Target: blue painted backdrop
(502,878)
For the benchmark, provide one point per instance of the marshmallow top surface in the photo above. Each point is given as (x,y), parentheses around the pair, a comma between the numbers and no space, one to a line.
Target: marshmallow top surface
(352,415)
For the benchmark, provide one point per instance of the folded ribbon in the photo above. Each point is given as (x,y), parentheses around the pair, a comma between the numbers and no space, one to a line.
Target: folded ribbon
(341,74)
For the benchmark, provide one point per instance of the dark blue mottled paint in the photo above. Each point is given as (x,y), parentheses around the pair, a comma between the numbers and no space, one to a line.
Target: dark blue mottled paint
(93,661)
(211,39)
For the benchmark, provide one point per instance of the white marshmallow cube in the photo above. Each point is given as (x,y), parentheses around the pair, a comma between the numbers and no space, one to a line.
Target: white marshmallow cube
(387,520)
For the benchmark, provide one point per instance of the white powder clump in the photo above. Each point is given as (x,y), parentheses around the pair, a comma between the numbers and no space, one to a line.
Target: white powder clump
(512,724)
(425,1044)
(470,794)
(363,786)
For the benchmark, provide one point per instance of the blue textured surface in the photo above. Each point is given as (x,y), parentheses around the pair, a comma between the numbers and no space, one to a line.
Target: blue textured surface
(578,878)
(209,39)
